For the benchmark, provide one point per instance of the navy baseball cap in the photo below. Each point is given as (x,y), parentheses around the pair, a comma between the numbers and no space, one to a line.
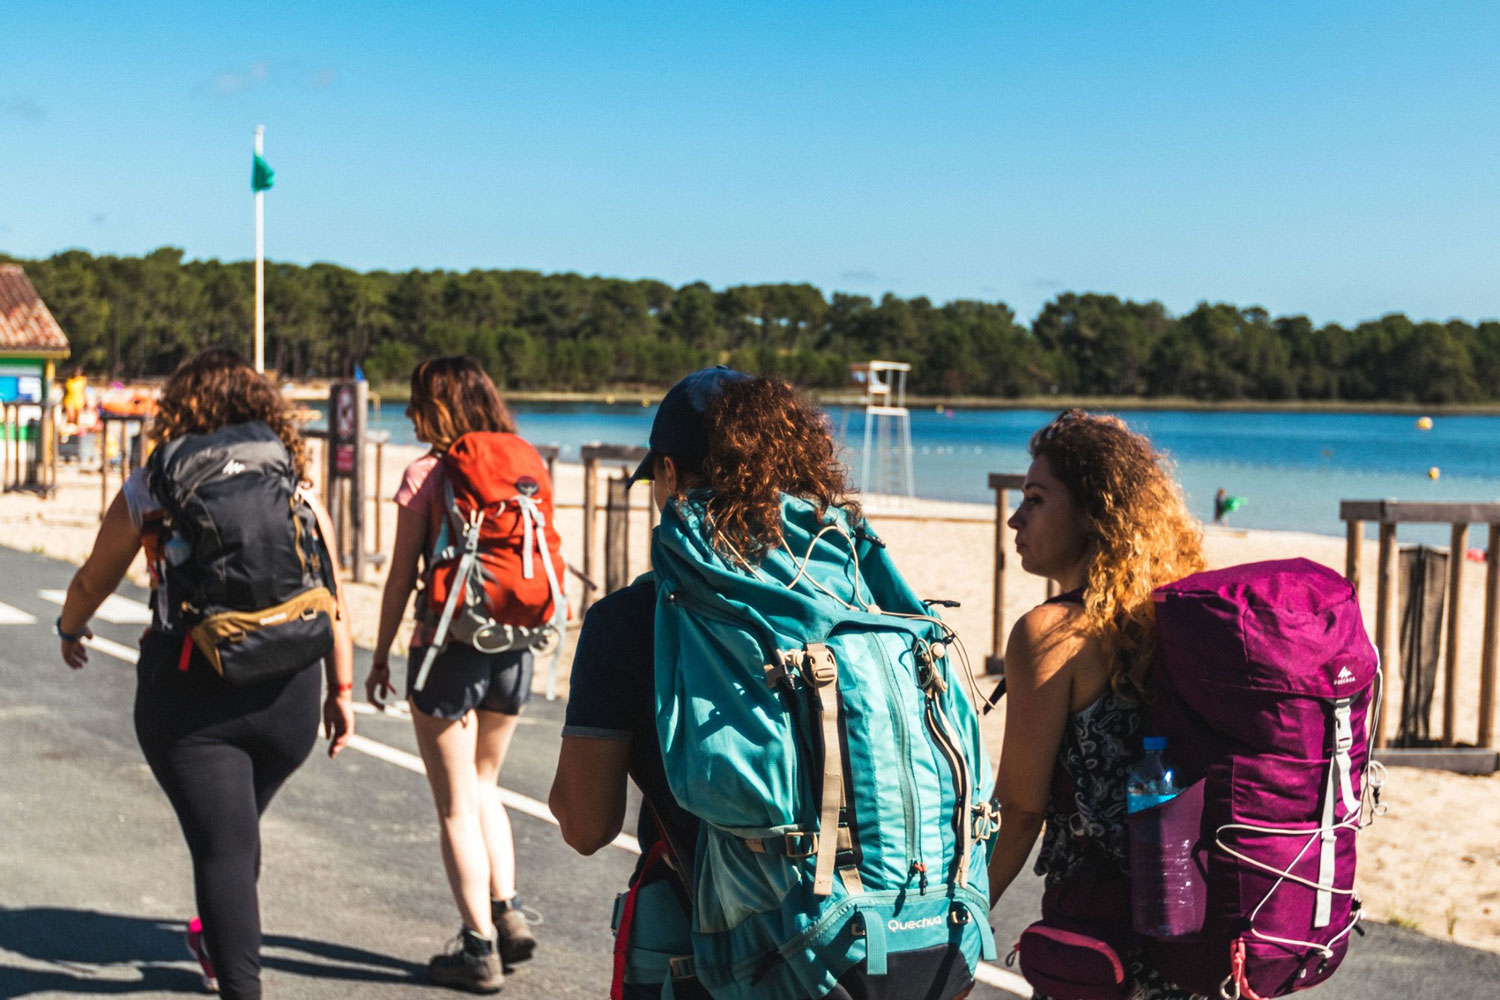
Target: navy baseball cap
(678,429)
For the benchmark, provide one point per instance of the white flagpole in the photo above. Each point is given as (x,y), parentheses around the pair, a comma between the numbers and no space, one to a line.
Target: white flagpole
(260,261)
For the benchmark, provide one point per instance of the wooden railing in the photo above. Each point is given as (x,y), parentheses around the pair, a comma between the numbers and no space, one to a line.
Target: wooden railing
(1459,516)
(617,525)
(28,461)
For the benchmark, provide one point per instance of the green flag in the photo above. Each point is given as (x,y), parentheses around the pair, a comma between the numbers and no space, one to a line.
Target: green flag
(261,175)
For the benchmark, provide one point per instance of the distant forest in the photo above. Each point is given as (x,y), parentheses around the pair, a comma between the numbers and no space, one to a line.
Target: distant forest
(129,317)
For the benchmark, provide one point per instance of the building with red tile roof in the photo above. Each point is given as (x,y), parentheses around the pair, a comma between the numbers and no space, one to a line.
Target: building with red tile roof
(27,328)
(31,343)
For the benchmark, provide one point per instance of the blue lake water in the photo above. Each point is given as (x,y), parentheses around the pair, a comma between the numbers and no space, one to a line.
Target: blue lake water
(1291,468)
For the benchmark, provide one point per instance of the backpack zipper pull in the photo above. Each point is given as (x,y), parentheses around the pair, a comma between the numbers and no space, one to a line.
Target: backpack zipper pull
(920,870)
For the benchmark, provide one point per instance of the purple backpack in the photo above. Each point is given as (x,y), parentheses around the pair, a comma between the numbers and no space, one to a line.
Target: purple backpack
(1263,680)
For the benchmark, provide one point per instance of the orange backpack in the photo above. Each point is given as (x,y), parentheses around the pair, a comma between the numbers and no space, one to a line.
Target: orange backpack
(494,579)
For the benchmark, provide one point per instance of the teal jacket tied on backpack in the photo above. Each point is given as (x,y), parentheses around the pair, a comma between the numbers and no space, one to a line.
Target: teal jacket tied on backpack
(812,715)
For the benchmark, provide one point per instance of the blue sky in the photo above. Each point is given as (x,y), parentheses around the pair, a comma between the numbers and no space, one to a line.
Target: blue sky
(1337,160)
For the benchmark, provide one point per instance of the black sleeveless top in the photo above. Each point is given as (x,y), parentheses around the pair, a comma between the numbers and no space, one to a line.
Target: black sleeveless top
(1086,808)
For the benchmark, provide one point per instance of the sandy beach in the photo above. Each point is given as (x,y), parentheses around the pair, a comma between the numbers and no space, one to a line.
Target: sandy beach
(1432,862)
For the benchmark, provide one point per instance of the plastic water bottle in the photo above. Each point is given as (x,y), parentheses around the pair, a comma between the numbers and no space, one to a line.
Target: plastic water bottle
(1166,886)
(1151,781)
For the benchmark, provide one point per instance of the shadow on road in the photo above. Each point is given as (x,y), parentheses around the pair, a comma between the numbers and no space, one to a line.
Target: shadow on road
(87,952)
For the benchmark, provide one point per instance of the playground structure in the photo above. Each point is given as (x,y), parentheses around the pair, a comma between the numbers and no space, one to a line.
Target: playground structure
(885,464)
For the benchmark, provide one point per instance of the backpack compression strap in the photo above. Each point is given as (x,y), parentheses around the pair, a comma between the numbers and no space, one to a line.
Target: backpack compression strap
(1340,787)
(823,676)
(534,524)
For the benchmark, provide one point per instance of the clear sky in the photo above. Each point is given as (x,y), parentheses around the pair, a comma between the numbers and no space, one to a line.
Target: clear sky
(1340,160)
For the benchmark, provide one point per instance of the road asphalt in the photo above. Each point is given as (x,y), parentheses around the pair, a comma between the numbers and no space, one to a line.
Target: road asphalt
(95,883)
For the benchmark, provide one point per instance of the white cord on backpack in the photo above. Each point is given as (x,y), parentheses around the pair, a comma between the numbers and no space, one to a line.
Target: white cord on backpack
(1326,950)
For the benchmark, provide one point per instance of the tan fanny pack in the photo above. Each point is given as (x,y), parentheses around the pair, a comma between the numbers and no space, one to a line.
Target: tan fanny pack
(248,646)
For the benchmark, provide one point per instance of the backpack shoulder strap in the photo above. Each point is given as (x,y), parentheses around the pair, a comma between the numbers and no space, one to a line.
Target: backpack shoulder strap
(460,576)
(303,496)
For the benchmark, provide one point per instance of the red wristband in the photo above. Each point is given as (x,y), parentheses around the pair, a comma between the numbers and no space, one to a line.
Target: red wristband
(343,688)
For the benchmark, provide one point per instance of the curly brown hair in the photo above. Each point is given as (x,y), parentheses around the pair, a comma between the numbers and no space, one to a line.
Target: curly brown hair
(215,388)
(452,396)
(1139,531)
(765,439)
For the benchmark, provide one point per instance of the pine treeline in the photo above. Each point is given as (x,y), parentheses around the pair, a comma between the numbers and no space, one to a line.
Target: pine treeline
(131,317)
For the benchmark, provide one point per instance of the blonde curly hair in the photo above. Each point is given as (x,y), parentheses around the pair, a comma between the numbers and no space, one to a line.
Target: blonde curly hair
(1139,532)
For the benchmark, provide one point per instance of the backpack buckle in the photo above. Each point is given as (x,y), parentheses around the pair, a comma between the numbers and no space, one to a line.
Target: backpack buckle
(784,670)
(793,838)
(819,664)
(681,968)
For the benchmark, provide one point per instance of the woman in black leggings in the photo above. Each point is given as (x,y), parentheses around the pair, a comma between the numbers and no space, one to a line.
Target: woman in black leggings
(219,751)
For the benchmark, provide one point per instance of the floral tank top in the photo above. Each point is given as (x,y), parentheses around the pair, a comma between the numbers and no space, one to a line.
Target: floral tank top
(1086,809)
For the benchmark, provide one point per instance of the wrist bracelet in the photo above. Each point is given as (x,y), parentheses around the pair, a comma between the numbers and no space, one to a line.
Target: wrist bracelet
(65,636)
(343,688)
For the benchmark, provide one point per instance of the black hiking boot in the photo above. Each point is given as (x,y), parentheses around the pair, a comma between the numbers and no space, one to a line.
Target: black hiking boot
(512,930)
(470,963)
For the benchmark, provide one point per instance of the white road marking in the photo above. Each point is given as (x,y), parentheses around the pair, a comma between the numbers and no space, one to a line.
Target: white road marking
(109,647)
(396,709)
(511,800)
(990,975)
(15,616)
(116,610)
(1002,979)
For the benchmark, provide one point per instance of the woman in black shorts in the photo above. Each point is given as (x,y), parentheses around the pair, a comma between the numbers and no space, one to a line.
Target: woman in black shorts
(468,708)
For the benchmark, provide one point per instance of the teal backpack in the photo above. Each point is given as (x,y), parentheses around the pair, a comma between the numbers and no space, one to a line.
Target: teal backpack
(812,716)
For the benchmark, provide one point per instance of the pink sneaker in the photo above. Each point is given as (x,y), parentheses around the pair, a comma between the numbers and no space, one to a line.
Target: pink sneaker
(199,950)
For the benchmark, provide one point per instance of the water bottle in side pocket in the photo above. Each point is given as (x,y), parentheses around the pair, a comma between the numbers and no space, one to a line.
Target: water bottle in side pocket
(1166,886)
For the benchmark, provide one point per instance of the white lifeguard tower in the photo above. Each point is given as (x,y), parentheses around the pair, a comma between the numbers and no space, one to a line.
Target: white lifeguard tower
(885,467)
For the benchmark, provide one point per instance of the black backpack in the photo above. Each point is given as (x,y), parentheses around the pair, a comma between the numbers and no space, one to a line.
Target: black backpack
(246,573)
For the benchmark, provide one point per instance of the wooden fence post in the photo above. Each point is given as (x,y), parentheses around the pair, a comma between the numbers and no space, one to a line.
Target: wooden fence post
(1457,549)
(1385,619)
(617,534)
(1487,665)
(1000,482)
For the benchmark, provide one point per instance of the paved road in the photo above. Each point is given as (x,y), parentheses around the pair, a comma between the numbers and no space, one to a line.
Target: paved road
(94,880)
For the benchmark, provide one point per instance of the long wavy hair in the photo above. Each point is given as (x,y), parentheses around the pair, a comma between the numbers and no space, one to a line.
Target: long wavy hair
(1140,534)
(452,396)
(217,387)
(765,439)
